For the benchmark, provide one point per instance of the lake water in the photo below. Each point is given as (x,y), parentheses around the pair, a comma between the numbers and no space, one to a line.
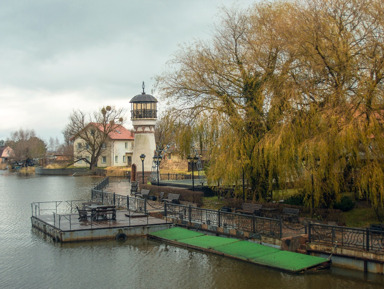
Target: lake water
(27,260)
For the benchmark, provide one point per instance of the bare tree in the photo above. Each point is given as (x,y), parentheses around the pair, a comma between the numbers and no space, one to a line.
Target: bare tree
(94,130)
(26,145)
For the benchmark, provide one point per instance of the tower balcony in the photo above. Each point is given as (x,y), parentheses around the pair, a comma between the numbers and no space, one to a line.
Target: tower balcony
(138,114)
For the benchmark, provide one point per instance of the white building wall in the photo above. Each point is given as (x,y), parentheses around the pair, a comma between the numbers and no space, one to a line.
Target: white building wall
(120,150)
(144,144)
(111,150)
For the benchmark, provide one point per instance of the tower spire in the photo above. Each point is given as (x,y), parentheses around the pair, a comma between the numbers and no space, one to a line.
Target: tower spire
(143,87)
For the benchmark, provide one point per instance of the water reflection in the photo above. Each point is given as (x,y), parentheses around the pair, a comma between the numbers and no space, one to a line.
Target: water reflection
(28,260)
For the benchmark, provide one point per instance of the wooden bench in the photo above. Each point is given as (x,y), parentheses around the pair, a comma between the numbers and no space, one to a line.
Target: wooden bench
(172,198)
(291,214)
(104,213)
(83,214)
(377,229)
(143,194)
(249,208)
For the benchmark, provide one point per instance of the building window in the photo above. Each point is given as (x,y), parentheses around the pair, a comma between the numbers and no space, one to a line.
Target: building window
(79,145)
(103,160)
(87,146)
(123,159)
(116,159)
(104,146)
(129,160)
(126,145)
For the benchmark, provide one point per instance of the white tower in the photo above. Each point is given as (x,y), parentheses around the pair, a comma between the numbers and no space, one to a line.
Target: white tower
(144,116)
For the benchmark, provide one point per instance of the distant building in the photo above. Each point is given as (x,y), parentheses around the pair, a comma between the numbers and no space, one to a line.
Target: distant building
(116,151)
(6,153)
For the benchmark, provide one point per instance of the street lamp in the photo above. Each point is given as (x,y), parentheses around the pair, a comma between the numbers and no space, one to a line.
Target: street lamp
(142,157)
(193,160)
(157,159)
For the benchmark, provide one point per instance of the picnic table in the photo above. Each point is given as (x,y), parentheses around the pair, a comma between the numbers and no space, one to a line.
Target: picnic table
(101,212)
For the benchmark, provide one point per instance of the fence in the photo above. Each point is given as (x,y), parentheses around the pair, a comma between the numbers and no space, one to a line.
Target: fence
(246,223)
(56,207)
(365,239)
(62,211)
(176,177)
(104,183)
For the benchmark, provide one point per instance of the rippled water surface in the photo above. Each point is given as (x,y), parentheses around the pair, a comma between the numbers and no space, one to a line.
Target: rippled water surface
(27,260)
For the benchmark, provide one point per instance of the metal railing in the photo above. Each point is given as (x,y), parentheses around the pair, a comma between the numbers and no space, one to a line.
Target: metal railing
(62,211)
(174,177)
(258,225)
(365,239)
(55,207)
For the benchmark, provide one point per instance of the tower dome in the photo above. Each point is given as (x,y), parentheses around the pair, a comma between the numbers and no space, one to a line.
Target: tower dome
(143,106)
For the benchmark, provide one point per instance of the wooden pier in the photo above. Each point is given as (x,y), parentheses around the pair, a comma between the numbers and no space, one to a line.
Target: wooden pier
(68,227)
(242,250)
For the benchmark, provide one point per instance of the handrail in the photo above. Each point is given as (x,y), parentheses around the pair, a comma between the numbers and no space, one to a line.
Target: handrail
(246,223)
(357,238)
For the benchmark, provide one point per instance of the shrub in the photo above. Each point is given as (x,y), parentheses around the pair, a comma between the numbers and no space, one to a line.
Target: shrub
(296,200)
(195,197)
(346,204)
(233,203)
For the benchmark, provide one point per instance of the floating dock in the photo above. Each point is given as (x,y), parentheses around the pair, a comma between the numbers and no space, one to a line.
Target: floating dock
(242,250)
(68,228)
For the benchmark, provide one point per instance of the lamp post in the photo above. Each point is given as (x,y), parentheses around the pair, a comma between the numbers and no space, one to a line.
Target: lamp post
(243,186)
(193,160)
(142,157)
(157,159)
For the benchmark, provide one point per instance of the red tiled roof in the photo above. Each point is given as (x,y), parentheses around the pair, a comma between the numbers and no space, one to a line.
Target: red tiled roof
(122,133)
(119,133)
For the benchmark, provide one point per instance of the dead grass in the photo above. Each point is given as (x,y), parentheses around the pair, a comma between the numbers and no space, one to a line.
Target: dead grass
(56,166)
(212,203)
(360,217)
(27,171)
(117,171)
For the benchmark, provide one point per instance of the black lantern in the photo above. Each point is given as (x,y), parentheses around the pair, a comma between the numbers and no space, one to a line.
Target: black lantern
(193,160)
(157,160)
(143,106)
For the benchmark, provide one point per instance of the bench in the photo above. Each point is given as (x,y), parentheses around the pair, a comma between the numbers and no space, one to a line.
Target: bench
(377,229)
(105,213)
(249,208)
(83,215)
(291,214)
(172,198)
(143,194)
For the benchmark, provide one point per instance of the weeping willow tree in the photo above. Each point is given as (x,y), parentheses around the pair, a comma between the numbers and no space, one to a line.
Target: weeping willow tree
(338,123)
(296,91)
(233,78)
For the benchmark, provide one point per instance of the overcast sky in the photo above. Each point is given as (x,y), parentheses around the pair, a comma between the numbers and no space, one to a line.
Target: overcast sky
(58,56)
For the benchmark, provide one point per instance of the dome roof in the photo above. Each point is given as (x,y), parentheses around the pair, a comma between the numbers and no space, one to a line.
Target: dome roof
(143,98)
